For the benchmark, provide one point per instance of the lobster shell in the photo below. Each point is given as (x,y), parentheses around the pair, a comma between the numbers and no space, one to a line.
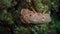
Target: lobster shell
(28,16)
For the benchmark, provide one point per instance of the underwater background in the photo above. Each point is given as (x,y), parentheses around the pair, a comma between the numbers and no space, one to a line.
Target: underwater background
(10,22)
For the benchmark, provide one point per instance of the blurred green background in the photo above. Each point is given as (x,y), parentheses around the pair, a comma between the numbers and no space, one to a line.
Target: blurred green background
(10,22)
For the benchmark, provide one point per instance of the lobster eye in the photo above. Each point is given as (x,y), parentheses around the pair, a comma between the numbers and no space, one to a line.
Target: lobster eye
(29,15)
(42,17)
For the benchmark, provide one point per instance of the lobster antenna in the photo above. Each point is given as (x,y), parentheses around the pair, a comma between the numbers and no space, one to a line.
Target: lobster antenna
(44,12)
(33,9)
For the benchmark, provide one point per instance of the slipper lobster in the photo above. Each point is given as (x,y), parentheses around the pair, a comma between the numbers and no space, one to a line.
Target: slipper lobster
(28,16)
